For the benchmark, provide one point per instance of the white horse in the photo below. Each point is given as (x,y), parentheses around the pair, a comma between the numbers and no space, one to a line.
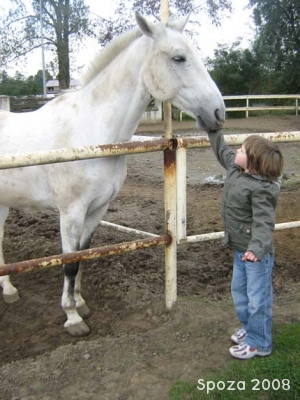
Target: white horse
(152,59)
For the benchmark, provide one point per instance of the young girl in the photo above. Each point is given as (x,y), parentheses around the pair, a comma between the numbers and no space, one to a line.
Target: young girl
(249,200)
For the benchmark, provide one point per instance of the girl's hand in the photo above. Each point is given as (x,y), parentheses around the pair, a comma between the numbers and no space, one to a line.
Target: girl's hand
(249,256)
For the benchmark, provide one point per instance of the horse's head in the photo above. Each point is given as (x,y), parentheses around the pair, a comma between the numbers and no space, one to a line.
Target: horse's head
(173,71)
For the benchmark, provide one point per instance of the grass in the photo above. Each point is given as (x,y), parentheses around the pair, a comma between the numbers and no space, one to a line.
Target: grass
(290,184)
(282,369)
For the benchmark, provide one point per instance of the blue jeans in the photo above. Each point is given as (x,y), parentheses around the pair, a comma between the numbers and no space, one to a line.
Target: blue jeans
(252,294)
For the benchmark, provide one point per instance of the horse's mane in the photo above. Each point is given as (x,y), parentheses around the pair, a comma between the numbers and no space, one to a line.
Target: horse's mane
(109,53)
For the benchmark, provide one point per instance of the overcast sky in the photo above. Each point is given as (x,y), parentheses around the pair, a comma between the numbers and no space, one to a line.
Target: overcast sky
(237,25)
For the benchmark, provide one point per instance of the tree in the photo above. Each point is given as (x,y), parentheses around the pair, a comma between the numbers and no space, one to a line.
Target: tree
(21,86)
(65,23)
(125,8)
(278,23)
(237,71)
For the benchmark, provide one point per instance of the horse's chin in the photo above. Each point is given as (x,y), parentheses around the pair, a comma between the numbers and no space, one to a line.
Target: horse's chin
(201,125)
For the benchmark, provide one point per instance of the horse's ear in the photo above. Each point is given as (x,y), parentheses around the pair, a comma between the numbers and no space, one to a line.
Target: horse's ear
(179,24)
(147,27)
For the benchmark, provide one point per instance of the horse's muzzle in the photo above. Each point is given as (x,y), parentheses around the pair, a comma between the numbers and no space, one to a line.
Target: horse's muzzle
(213,122)
(220,117)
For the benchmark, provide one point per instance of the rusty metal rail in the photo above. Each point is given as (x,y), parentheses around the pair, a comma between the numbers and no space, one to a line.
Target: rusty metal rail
(193,142)
(83,255)
(138,145)
(175,192)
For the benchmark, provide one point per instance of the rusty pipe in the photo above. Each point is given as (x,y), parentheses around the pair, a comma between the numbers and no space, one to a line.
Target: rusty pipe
(83,255)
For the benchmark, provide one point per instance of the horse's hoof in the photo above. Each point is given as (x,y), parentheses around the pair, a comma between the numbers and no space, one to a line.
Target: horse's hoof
(80,329)
(83,311)
(11,298)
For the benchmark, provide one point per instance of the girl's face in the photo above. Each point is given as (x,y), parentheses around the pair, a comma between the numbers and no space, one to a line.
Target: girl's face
(241,158)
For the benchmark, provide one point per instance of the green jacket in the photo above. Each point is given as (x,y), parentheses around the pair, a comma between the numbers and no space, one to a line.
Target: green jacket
(248,204)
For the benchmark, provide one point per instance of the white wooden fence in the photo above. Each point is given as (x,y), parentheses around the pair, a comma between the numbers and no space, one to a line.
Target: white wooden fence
(251,103)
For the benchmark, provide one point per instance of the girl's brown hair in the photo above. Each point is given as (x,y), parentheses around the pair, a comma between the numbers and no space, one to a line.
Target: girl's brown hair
(264,157)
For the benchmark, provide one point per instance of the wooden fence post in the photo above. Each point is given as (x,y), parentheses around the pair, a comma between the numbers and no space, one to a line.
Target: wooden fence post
(4,103)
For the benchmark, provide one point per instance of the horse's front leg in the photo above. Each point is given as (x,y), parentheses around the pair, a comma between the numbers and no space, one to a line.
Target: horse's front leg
(10,293)
(92,220)
(81,306)
(74,324)
(72,226)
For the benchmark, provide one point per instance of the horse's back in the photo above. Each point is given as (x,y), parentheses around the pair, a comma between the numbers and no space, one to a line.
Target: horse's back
(29,186)
(24,132)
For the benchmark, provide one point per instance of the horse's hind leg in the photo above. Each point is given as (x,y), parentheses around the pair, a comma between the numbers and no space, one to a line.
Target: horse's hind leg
(10,293)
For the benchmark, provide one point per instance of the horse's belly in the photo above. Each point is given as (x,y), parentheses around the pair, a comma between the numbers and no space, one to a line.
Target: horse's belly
(87,180)
(25,188)
(110,190)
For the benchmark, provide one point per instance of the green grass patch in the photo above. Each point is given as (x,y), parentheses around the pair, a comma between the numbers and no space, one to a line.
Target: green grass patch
(290,184)
(186,117)
(274,377)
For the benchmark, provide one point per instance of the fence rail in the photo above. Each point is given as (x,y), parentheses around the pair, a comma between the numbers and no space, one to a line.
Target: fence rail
(250,100)
(19,104)
(154,114)
(175,200)
(250,105)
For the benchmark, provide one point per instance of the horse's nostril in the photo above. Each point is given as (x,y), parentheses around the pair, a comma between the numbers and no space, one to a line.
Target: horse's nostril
(217,115)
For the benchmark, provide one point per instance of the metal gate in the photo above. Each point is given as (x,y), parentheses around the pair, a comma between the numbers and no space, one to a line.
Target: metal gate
(174,150)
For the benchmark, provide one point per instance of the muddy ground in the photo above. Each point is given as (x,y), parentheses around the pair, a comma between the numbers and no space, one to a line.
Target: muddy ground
(137,349)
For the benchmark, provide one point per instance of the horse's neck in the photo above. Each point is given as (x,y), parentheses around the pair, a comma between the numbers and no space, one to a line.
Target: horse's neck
(118,94)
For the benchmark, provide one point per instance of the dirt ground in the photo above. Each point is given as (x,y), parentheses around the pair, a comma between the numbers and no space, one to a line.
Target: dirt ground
(137,349)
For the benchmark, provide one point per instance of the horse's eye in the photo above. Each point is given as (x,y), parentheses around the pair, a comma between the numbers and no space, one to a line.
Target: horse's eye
(179,59)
